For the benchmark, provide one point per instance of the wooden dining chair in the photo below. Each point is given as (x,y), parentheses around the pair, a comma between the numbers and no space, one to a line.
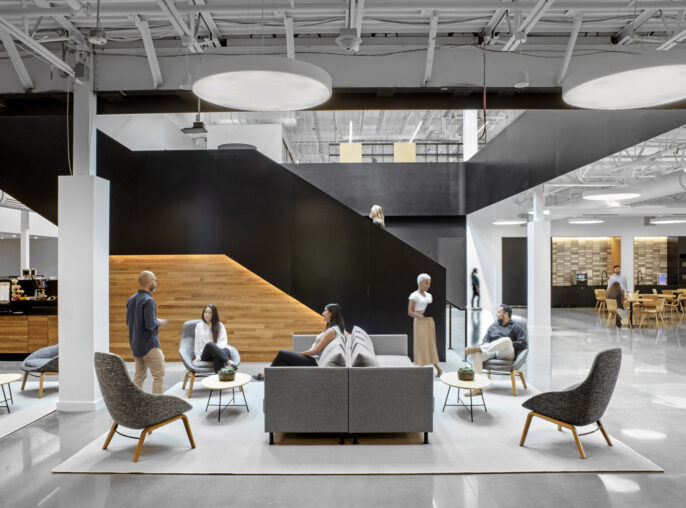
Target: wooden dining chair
(600,295)
(654,308)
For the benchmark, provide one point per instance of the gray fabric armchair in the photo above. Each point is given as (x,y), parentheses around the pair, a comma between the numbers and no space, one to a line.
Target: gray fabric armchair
(44,362)
(197,369)
(511,367)
(581,404)
(133,408)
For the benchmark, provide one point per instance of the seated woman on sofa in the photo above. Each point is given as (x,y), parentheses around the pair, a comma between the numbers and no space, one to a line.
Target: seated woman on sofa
(210,340)
(335,327)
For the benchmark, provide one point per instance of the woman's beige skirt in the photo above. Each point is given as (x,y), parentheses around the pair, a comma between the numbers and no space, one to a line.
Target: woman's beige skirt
(425,352)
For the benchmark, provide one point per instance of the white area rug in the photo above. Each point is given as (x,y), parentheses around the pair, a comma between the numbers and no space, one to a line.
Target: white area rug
(27,407)
(239,445)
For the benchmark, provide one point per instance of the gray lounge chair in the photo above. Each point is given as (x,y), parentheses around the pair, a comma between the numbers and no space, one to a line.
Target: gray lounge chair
(44,362)
(581,404)
(511,367)
(197,369)
(133,408)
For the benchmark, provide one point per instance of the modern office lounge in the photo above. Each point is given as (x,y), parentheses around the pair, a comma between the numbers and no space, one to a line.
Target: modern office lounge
(67,432)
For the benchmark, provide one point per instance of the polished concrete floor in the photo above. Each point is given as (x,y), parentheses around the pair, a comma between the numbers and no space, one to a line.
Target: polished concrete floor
(648,412)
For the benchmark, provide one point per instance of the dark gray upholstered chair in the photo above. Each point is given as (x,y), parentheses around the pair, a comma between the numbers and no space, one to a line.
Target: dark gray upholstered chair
(581,404)
(197,369)
(511,367)
(133,408)
(44,362)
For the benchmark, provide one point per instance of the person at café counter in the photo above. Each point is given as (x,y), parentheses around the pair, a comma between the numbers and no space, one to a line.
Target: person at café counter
(617,277)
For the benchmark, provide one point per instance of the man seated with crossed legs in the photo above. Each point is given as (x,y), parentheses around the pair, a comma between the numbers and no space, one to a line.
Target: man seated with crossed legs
(502,340)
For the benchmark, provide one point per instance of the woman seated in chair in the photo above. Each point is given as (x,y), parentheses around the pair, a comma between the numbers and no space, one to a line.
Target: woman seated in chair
(210,340)
(335,327)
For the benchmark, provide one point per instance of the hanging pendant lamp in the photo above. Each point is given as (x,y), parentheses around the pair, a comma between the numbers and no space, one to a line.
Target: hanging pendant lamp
(262,83)
(631,82)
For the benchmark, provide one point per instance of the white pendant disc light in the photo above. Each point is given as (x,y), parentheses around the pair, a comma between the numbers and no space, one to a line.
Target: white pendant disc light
(262,83)
(627,83)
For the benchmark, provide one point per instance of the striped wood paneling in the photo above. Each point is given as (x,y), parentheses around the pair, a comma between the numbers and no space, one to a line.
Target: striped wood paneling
(259,318)
(26,334)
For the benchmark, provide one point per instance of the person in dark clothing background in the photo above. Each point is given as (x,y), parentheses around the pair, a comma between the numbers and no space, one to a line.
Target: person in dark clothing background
(615,292)
(475,290)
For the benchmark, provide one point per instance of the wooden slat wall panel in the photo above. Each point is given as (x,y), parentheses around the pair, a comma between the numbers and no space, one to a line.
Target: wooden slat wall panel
(38,332)
(52,330)
(14,334)
(259,318)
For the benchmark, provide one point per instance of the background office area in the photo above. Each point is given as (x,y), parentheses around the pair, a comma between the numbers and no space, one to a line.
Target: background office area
(470,124)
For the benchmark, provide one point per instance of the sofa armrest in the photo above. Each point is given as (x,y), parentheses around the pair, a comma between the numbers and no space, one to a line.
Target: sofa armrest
(305,399)
(388,344)
(391,399)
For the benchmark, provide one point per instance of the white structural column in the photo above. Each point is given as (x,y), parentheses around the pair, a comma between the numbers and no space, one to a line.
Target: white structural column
(25,249)
(83,264)
(470,134)
(538,295)
(628,260)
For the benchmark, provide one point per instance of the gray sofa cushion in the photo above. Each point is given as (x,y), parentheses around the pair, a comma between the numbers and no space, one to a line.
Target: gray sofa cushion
(333,354)
(394,361)
(362,356)
(358,336)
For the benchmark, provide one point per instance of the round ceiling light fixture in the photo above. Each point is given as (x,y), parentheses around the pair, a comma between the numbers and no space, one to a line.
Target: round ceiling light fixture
(516,222)
(617,194)
(668,221)
(632,82)
(262,83)
(586,221)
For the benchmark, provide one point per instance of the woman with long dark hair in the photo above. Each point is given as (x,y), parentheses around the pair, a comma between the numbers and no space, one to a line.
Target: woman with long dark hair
(615,292)
(335,327)
(210,340)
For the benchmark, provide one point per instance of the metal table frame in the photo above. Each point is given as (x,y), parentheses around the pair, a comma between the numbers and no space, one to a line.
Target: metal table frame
(4,396)
(231,403)
(469,407)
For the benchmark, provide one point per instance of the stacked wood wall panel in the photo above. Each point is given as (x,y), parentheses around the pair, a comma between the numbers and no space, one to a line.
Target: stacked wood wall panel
(259,318)
(26,333)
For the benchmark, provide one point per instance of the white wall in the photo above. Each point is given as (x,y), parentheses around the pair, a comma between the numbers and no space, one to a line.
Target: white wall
(266,137)
(43,256)
(145,132)
(10,223)
(484,252)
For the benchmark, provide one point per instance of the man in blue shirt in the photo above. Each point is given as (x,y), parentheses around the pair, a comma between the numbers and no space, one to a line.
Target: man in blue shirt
(502,340)
(141,318)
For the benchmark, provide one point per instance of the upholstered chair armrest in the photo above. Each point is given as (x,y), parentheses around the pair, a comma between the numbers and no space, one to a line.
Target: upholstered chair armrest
(235,356)
(520,359)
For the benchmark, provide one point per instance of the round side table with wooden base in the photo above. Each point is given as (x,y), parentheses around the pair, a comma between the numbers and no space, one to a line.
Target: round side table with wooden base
(6,379)
(480,382)
(213,384)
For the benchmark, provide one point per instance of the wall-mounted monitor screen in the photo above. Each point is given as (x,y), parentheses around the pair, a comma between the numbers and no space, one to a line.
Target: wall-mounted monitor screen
(662,279)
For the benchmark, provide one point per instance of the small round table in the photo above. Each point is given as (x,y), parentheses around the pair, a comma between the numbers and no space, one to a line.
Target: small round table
(480,382)
(6,379)
(213,383)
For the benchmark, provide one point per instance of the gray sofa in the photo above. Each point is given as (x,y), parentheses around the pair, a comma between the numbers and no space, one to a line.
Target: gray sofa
(396,396)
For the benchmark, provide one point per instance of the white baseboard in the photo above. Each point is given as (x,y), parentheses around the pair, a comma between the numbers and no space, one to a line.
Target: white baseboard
(80,406)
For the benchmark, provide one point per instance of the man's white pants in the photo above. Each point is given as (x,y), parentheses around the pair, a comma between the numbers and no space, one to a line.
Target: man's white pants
(501,349)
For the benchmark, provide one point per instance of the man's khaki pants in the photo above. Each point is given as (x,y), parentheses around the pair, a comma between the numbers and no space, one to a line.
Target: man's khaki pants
(153,360)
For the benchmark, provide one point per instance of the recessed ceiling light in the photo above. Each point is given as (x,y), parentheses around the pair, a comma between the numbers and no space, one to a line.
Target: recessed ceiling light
(611,195)
(586,221)
(630,82)
(262,83)
(668,221)
(517,222)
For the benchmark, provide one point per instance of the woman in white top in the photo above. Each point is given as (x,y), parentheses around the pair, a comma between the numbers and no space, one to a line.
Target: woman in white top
(335,327)
(210,340)
(425,352)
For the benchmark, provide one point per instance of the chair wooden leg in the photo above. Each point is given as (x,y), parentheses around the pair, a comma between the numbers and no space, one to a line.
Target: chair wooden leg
(110,436)
(140,444)
(526,428)
(185,380)
(514,383)
(559,428)
(602,430)
(521,377)
(26,376)
(40,387)
(188,430)
(578,443)
(190,389)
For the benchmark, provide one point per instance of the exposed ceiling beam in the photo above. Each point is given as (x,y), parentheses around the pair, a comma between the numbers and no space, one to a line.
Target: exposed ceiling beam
(290,42)
(570,47)
(61,19)
(35,46)
(16,60)
(144,28)
(678,35)
(494,23)
(174,15)
(359,15)
(209,22)
(529,22)
(433,27)
(625,35)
